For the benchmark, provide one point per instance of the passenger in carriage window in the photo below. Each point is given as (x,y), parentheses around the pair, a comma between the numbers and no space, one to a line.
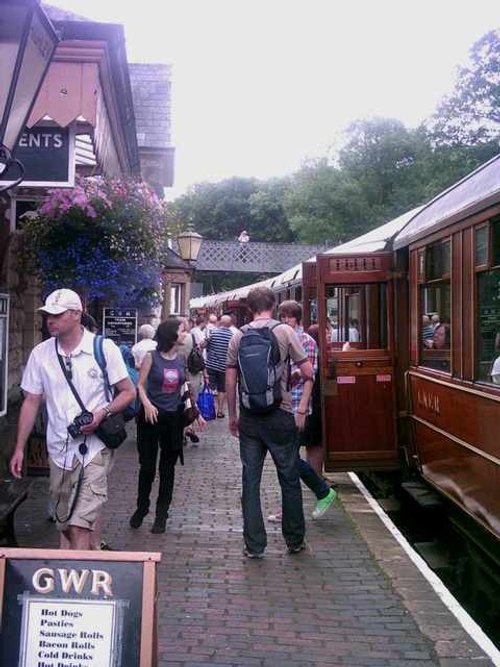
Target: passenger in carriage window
(495,368)
(427,331)
(354,335)
(442,337)
(435,320)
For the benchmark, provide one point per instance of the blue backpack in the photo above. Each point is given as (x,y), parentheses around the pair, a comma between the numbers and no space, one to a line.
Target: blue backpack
(260,369)
(131,410)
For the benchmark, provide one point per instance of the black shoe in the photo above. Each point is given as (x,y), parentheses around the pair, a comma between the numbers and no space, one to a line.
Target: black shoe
(296,548)
(159,525)
(137,518)
(192,436)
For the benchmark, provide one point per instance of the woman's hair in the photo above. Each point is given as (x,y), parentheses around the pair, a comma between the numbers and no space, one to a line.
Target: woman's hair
(166,334)
(445,344)
(313,331)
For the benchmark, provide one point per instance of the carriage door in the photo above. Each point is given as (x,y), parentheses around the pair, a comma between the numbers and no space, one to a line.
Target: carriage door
(309,296)
(356,361)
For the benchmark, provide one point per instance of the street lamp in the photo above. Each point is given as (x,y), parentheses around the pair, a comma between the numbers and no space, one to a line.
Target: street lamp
(189,243)
(27,43)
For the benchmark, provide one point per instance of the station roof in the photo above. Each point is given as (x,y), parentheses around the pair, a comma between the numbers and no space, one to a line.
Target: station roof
(474,193)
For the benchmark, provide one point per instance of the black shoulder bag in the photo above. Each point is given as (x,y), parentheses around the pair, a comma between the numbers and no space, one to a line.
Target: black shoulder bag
(112,429)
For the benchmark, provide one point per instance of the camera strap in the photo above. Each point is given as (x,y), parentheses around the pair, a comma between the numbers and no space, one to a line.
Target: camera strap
(66,375)
(82,446)
(78,485)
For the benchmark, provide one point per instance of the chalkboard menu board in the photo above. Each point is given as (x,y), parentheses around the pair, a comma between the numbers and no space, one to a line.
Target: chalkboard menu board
(85,608)
(120,324)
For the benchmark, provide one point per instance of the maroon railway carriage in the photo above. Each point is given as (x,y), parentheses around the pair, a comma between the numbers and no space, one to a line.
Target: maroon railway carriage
(409,321)
(410,342)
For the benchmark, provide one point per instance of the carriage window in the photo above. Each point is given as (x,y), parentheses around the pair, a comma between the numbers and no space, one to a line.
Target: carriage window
(357,315)
(435,308)
(481,246)
(437,260)
(488,305)
(313,311)
(488,352)
(495,241)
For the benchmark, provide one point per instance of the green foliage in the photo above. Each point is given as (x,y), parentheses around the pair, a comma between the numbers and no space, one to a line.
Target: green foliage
(470,115)
(324,204)
(218,211)
(269,221)
(221,211)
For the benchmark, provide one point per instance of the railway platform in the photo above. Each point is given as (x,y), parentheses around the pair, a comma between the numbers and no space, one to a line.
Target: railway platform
(354,597)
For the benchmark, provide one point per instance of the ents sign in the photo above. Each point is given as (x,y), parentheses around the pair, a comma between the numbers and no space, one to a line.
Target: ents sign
(47,155)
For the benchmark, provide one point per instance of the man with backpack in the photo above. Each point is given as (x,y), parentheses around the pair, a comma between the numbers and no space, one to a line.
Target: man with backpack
(79,460)
(258,361)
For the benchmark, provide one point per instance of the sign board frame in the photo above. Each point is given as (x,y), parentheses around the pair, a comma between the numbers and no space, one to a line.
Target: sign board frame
(53,568)
(110,314)
(69,181)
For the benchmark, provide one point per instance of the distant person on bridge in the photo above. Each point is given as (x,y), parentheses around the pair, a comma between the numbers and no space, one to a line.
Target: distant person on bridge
(243,239)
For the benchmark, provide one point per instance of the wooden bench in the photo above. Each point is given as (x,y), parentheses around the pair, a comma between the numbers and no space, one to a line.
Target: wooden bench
(12,494)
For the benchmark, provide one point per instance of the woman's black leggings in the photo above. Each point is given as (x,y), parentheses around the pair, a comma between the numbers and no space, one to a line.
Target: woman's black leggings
(167,435)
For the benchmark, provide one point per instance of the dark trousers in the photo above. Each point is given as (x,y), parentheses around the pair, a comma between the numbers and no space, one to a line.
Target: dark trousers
(167,436)
(312,480)
(274,433)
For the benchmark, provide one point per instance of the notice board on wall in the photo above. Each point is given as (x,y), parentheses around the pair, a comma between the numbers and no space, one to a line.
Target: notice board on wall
(64,608)
(120,324)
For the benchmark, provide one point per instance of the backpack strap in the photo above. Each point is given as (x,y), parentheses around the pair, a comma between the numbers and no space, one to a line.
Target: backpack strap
(101,362)
(287,363)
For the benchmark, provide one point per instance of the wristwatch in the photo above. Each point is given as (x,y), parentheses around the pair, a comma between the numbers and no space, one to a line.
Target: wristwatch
(107,410)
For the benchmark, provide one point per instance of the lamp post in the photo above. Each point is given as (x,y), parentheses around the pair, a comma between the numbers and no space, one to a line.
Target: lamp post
(189,244)
(27,43)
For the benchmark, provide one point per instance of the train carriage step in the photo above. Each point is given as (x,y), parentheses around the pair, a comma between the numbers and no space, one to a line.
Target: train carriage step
(425,497)
(436,555)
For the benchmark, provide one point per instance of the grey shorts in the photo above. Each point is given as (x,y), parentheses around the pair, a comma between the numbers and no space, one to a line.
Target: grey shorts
(92,495)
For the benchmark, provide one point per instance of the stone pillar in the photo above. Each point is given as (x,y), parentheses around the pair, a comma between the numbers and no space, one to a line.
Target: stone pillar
(186,295)
(167,297)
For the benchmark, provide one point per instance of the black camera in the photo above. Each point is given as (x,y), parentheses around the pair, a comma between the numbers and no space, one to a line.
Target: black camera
(83,419)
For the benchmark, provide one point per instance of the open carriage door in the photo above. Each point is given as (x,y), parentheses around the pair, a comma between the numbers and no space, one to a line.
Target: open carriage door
(355,317)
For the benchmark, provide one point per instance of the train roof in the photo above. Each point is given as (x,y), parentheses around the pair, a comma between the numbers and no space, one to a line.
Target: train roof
(377,239)
(475,192)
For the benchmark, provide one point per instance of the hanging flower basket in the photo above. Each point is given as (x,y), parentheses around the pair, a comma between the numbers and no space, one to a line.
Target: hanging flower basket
(103,238)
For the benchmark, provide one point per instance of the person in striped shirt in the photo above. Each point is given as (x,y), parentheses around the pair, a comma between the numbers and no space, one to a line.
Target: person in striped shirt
(216,347)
